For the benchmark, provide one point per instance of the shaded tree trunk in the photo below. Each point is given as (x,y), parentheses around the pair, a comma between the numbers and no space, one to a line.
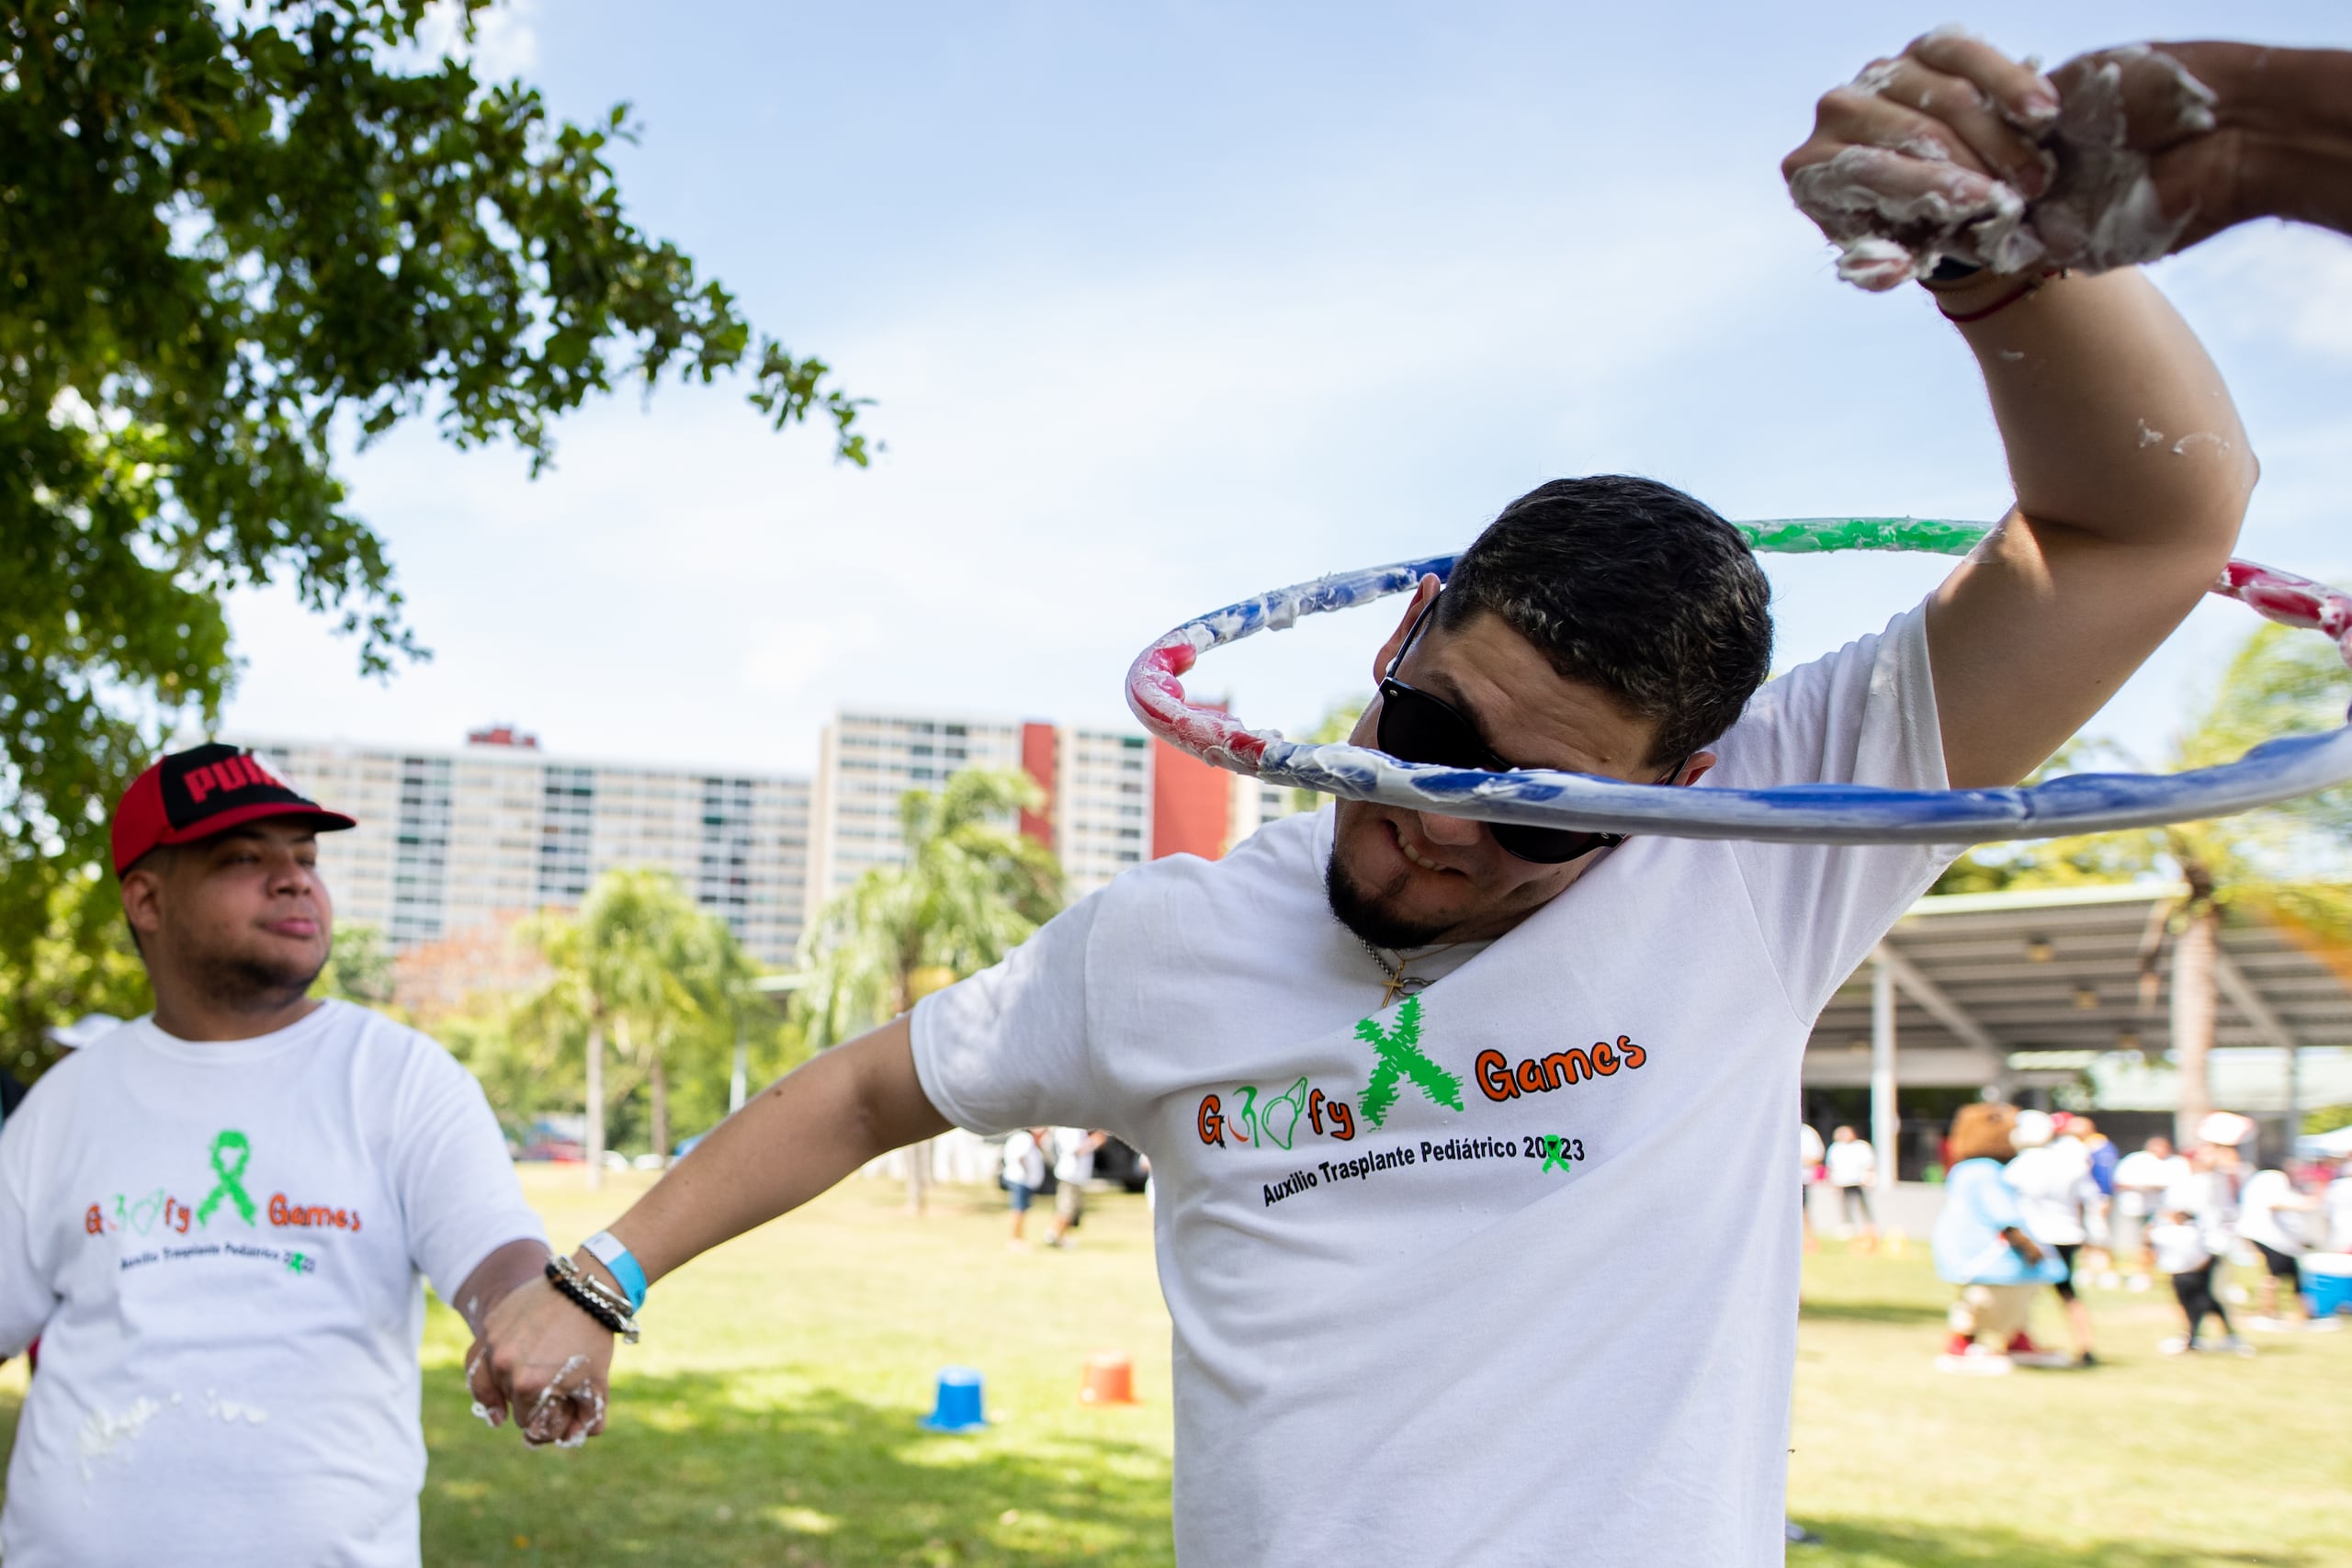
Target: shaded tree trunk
(2194,1003)
(657,1082)
(593,1143)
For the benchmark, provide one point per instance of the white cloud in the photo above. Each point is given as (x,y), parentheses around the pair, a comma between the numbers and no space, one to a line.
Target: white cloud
(506,42)
(2276,282)
(782,660)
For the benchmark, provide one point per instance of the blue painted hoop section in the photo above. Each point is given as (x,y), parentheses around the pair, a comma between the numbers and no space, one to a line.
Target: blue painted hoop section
(1848,814)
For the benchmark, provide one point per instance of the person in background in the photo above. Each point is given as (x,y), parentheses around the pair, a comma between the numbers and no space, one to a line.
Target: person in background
(1025,1173)
(2178,1243)
(218,1219)
(2099,1218)
(1981,1244)
(2277,1218)
(2142,1179)
(1073,1168)
(2338,1203)
(1853,1165)
(2051,1177)
(2208,1193)
(1809,1157)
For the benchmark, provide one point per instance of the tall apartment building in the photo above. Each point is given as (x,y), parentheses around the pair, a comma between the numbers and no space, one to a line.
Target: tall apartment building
(1114,798)
(452,841)
(449,840)
(865,761)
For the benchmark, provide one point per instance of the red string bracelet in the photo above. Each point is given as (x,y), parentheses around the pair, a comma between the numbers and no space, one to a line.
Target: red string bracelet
(2031,287)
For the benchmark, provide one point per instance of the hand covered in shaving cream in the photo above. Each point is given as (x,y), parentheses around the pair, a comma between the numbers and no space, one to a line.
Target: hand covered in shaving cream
(543,1363)
(2228,132)
(1932,153)
(1953,150)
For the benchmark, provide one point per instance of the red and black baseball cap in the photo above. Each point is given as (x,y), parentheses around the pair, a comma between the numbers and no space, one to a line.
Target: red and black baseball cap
(206,790)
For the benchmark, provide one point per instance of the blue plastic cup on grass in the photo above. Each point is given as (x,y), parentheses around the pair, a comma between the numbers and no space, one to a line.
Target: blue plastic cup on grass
(957,1406)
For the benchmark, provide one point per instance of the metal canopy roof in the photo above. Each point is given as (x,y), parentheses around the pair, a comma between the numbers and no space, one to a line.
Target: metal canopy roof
(1980,975)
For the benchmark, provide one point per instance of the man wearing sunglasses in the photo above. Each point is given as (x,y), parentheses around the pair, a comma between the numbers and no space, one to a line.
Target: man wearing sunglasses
(1423,1095)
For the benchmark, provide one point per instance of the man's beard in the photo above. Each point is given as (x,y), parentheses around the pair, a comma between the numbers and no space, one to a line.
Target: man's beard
(239,983)
(1364,912)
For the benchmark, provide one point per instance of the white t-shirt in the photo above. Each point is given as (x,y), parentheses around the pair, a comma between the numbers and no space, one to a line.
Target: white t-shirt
(1422,1311)
(2339,1214)
(1074,1156)
(2141,1178)
(1851,1162)
(1025,1162)
(2178,1248)
(2054,1187)
(218,1247)
(2210,1198)
(2262,1218)
(1809,1150)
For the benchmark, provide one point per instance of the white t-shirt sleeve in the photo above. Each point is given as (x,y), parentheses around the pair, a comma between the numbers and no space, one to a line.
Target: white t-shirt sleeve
(1009,1048)
(456,1181)
(1864,714)
(26,1298)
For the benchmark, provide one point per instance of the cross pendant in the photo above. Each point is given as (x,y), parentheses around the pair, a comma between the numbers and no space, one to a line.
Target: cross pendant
(1400,985)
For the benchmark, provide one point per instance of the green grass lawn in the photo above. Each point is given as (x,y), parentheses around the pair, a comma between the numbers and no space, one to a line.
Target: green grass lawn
(769,1417)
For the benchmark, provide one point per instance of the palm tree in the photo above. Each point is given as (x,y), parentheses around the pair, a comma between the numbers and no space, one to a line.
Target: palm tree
(637,962)
(970,889)
(2279,682)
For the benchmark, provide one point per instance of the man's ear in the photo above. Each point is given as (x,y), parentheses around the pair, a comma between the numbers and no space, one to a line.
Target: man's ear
(1695,768)
(1423,592)
(142,901)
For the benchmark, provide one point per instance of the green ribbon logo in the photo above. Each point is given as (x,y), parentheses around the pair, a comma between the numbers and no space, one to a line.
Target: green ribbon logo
(1553,1159)
(232,1184)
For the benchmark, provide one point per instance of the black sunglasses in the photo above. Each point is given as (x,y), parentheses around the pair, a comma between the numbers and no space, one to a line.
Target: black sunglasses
(1417,727)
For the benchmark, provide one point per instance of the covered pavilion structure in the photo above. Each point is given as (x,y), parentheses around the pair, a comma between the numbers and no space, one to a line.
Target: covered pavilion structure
(2014,992)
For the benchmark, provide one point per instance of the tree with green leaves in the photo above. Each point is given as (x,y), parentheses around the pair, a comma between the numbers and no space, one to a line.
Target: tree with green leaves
(2286,862)
(970,888)
(80,961)
(236,241)
(639,967)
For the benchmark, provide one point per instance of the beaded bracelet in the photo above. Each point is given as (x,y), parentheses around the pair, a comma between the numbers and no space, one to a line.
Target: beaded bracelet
(592,1298)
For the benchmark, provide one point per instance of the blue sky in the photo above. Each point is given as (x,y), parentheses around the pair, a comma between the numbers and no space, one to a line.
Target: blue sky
(1164,304)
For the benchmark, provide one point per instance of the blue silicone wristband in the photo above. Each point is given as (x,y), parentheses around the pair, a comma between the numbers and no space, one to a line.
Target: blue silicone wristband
(606,1248)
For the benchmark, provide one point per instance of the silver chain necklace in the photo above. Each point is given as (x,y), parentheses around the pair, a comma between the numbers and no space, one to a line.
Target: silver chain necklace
(1396,983)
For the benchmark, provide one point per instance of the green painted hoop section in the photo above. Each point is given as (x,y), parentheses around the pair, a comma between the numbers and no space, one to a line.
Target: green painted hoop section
(1819,535)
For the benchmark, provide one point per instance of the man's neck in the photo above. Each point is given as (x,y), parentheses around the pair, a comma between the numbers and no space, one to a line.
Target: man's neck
(200,1023)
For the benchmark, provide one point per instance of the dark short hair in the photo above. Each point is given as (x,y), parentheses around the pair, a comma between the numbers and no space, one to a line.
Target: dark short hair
(1631,586)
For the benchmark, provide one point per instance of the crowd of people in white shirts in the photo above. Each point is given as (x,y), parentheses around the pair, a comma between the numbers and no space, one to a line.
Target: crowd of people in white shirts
(2034,1199)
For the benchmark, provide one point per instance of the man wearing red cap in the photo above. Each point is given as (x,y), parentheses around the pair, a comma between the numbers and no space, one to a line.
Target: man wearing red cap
(215,1218)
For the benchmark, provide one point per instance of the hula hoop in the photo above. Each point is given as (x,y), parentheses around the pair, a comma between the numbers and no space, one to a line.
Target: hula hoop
(1810,813)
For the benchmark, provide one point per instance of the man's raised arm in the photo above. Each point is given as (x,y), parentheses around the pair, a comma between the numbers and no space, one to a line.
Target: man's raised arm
(2131,470)
(546,1361)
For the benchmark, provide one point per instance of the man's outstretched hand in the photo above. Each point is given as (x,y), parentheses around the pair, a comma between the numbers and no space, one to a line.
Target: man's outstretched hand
(544,1364)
